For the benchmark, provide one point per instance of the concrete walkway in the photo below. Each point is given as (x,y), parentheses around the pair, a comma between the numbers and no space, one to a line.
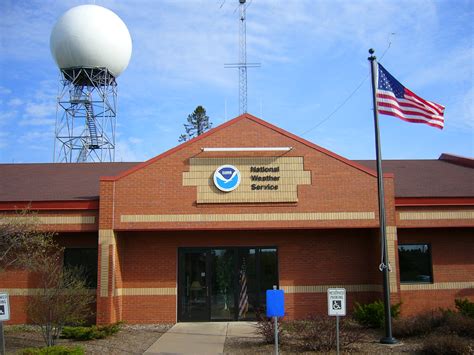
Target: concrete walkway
(200,338)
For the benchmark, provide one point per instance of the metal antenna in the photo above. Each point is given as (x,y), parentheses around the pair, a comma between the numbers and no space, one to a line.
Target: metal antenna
(242,65)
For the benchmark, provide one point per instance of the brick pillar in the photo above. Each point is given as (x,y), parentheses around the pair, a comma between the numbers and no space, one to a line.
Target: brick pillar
(108,303)
(392,244)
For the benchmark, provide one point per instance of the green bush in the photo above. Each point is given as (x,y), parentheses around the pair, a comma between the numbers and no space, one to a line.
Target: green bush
(445,345)
(90,333)
(372,314)
(53,350)
(465,307)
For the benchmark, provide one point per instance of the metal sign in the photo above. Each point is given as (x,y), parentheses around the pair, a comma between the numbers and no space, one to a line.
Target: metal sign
(337,301)
(4,307)
(227,178)
(275,303)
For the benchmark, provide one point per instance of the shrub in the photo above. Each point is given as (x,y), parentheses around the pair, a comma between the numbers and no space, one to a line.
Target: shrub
(418,325)
(266,328)
(90,333)
(443,322)
(459,324)
(372,314)
(465,307)
(319,333)
(445,345)
(53,350)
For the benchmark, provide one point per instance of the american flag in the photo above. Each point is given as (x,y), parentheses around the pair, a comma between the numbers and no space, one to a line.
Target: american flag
(243,299)
(396,100)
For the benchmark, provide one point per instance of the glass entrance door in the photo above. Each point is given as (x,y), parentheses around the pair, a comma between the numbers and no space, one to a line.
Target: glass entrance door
(193,285)
(224,284)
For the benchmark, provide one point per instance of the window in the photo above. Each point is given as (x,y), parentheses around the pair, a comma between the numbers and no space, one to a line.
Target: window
(86,260)
(415,263)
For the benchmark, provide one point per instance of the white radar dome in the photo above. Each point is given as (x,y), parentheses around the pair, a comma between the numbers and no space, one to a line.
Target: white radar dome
(91,36)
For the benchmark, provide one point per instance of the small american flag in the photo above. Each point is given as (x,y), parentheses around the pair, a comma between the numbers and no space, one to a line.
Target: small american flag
(243,299)
(396,100)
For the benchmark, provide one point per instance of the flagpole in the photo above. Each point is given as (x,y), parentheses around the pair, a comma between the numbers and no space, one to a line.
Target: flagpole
(388,339)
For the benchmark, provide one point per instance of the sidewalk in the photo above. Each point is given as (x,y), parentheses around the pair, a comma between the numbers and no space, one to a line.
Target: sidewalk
(200,338)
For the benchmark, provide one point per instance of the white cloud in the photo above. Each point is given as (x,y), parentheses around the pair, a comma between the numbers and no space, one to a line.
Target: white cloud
(3,139)
(135,140)
(37,122)
(40,109)
(460,112)
(7,116)
(453,67)
(4,90)
(39,140)
(125,151)
(15,102)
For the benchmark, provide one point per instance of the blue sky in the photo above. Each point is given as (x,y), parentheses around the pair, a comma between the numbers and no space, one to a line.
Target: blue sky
(313,55)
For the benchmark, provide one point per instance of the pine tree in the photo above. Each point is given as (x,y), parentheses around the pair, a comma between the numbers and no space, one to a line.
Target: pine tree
(198,123)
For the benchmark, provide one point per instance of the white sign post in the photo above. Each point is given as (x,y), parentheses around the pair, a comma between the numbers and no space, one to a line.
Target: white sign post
(337,307)
(4,315)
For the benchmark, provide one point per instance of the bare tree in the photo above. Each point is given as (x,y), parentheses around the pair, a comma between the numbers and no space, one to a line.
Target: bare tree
(61,296)
(20,240)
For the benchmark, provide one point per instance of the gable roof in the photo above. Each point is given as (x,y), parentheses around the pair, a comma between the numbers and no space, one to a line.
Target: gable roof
(449,176)
(245,116)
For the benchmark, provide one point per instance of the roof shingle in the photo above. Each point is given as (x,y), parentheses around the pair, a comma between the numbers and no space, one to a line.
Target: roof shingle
(68,182)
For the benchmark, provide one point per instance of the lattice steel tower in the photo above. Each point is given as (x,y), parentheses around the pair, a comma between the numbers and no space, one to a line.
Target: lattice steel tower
(242,65)
(85,131)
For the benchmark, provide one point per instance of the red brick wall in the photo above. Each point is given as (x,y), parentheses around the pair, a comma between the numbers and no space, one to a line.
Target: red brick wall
(157,188)
(453,261)
(318,257)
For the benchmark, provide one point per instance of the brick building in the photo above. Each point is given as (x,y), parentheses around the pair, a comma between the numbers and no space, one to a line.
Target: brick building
(172,239)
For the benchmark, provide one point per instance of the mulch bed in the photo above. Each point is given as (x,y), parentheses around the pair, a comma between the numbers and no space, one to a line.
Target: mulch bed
(131,339)
(369,344)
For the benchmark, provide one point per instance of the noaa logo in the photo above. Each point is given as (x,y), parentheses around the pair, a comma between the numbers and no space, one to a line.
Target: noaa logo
(227,178)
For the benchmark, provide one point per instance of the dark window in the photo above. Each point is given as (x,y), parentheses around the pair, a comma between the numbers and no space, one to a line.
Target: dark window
(86,260)
(415,263)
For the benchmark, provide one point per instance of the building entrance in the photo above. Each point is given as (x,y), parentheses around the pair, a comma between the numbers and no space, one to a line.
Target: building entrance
(224,284)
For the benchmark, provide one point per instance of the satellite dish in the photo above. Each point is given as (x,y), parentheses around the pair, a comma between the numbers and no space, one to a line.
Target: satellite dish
(91,36)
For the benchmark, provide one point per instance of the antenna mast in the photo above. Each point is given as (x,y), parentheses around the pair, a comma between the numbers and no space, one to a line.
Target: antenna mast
(242,65)
(242,59)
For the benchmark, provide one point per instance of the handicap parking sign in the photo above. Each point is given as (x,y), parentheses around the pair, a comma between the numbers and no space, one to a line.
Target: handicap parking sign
(337,301)
(4,307)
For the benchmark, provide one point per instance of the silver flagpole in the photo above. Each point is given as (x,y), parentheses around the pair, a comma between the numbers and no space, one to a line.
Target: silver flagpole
(388,339)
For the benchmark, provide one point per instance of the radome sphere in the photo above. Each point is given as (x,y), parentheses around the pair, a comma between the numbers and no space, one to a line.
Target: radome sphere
(91,36)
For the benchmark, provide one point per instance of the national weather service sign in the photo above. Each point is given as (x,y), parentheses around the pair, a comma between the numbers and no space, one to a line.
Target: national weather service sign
(246,179)
(226,178)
